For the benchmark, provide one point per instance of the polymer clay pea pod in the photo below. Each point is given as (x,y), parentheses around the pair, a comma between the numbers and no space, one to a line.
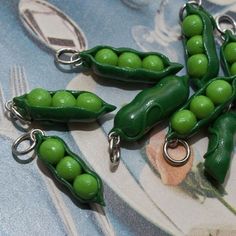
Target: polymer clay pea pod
(202,108)
(147,109)
(198,39)
(124,64)
(58,106)
(67,167)
(228,47)
(222,134)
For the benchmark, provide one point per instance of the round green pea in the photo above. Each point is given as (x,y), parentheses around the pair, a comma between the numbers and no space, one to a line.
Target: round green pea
(153,62)
(39,97)
(219,91)
(183,121)
(51,150)
(201,106)
(197,65)
(230,52)
(233,69)
(85,186)
(89,101)
(195,45)
(106,56)
(129,60)
(68,168)
(192,25)
(63,99)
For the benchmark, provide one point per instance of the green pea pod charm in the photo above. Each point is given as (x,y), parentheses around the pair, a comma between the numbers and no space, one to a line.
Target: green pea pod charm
(221,146)
(123,64)
(202,108)
(149,107)
(198,38)
(68,168)
(58,106)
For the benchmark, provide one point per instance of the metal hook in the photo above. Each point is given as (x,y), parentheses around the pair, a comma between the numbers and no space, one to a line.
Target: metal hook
(114,148)
(73,59)
(225,19)
(173,144)
(182,9)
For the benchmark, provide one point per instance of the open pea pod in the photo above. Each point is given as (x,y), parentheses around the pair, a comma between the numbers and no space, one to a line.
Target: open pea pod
(98,198)
(172,134)
(58,114)
(149,107)
(141,75)
(221,146)
(209,48)
(229,37)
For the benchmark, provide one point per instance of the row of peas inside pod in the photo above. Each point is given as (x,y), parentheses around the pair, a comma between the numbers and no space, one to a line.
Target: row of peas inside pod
(204,106)
(200,51)
(69,169)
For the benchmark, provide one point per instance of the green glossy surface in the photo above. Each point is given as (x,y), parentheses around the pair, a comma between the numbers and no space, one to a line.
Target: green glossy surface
(153,62)
(219,91)
(97,197)
(89,101)
(208,44)
(195,45)
(52,151)
(60,114)
(150,106)
(39,97)
(183,121)
(68,168)
(230,52)
(197,65)
(85,186)
(63,99)
(221,146)
(135,75)
(201,106)
(192,25)
(209,119)
(228,68)
(106,56)
(129,60)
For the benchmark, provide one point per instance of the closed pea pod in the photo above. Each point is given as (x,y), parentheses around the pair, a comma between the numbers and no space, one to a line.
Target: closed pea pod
(200,50)
(124,64)
(149,107)
(59,106)
(67,167)
(221,146)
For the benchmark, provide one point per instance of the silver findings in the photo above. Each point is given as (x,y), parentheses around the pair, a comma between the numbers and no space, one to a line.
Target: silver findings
(30,136)
(182,9)
(70,53)
(173,144)
(114,148)
(225,19)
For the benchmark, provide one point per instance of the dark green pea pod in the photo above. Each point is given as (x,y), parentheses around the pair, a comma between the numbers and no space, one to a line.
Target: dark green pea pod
(208,44)
(98,198)
(229,37)
(149,107)
(221,146)
(206,121)
(58,114)
(128,74)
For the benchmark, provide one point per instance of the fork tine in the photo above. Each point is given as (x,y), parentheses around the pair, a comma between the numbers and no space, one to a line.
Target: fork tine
(2,104)
(18,81)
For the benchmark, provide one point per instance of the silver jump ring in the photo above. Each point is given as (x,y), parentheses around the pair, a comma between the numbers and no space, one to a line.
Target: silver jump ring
(73,59)
(225,19)
(13,111)
(28,136)
(182,9)
(172,161)
(114,148)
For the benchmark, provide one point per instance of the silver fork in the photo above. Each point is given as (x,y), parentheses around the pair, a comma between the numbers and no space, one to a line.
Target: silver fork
(18,86)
